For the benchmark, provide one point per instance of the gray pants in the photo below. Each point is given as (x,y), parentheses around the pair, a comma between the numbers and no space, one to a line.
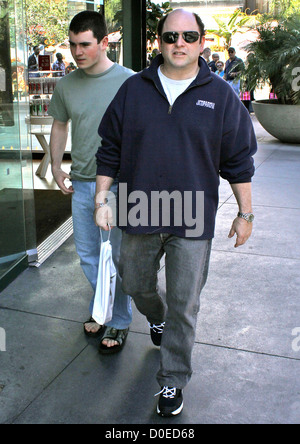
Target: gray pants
(186,268)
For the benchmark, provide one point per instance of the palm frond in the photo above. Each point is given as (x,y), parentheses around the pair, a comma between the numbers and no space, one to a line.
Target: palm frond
(273,57)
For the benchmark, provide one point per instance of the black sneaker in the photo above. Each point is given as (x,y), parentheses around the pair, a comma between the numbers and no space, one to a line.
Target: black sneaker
(156,331)
(170,402)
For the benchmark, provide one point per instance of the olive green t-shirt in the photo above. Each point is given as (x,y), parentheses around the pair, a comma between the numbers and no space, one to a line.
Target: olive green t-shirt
(83,100)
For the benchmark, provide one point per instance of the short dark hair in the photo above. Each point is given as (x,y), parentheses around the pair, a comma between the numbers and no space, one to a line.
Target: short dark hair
(162,21)
(90,21)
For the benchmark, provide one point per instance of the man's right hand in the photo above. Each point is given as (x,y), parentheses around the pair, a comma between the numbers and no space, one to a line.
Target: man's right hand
(60,177)
(103,217)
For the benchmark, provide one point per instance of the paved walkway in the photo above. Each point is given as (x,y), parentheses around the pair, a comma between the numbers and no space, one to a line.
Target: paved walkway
(247,352)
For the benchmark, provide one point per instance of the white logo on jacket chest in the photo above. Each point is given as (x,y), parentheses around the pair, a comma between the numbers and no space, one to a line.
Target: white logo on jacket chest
(206,104)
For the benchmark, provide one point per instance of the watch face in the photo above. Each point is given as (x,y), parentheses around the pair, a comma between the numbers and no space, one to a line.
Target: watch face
(251,218)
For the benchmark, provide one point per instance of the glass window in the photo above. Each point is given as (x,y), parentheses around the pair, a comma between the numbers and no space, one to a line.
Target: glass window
(114,18)
(18,36)
(12,88)
(112,10)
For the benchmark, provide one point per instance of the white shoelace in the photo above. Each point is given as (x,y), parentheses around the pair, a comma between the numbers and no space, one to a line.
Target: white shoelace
(158,328)
(168,392)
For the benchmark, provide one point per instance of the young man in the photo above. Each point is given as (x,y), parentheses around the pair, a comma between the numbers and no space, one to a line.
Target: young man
(82,97)
(202,131)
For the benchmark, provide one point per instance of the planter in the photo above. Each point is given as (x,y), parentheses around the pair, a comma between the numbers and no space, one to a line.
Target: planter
(281,121)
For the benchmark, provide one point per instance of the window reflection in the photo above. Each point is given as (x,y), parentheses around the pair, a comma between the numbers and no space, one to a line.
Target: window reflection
(12,222)
(6,93)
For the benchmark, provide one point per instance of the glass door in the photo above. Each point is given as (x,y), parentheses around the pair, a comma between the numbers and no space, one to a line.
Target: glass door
(12,220)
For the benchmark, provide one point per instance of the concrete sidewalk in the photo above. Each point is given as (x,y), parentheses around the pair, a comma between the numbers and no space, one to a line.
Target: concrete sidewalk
(247,353)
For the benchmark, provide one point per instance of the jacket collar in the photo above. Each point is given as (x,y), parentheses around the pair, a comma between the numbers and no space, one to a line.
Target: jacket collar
(204,76)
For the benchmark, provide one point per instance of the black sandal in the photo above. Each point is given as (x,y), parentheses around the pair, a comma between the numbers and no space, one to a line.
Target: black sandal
(117,335)
(89,333)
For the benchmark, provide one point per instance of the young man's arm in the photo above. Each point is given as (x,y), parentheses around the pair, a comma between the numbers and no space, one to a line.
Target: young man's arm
(103,215)
(240,227)
(58,141)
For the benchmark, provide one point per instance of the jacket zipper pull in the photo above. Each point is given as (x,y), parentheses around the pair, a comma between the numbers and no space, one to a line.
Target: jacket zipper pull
(170,109)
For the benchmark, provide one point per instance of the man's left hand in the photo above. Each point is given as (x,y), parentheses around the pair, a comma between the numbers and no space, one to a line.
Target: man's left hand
(242,229)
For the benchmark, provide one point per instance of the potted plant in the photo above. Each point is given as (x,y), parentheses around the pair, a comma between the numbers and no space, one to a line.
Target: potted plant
(274,58)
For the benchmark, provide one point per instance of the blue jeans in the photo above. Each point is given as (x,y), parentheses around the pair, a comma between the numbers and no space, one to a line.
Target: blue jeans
(235,85)
(88,241)
(186,268)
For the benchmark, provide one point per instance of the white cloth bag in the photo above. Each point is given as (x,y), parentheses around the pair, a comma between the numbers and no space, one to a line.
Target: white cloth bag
(106,284)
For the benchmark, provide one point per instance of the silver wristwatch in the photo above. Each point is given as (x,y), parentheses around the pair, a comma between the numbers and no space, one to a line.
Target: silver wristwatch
(249,217)
(101,204)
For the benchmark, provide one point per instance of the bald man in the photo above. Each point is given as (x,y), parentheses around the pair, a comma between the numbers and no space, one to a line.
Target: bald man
(169,174)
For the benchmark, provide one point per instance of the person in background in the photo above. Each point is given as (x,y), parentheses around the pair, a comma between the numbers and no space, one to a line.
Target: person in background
(152,56)
(59,66)
(71,67)
(82,97)
(233,67)
(33,62)
(220,68)
(212,65)
(247,97)
(206,55)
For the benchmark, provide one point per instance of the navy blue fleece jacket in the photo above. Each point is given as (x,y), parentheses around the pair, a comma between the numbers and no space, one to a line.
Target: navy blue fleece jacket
(154,147)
